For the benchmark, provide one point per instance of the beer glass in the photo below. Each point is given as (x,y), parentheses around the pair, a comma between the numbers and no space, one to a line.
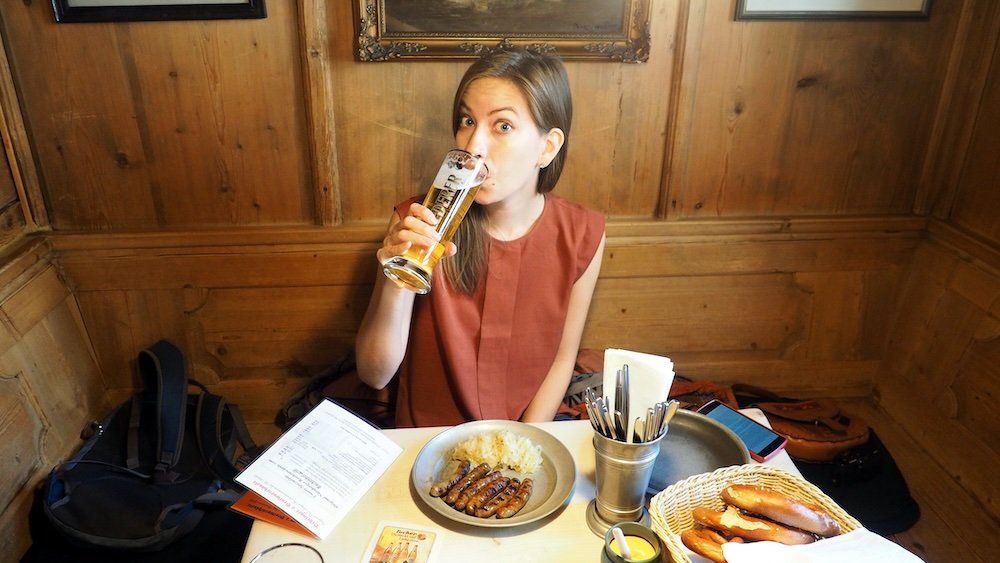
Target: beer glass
(449,198)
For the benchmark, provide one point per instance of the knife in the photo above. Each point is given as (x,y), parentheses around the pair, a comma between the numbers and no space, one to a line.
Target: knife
(625,402)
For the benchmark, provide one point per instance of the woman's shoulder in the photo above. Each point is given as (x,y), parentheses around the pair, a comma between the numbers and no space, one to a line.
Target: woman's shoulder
(576,212)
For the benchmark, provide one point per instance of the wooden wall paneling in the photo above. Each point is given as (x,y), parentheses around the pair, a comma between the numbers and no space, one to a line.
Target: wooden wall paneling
(738,317)
(222,116)
(939,373)
(977,200)
(49,385)
(58,390)
(393,123)
(804,117)
(21,432)
(880,300)
(959,106)
(835,320)
(12,219)
(952,525)
(851,310)
(122,322)
(617,145)
(155,268)
(12,216)
(86,156)
(669,256)
(272,307)
(20,156)
(403,109)
(968,460)
(977,383)
(194,123)
(314,29)
(272,332)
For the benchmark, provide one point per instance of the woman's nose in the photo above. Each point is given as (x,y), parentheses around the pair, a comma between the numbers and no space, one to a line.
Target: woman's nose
(476,142)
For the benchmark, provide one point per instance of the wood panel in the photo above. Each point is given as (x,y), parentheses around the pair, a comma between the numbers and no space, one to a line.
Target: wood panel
(978,32)
(17,149)
(141,125)
(978,200)
(805,117)
(940,368)
(403,111)
(49,385)
(953,525)
(263,122)
(794,305)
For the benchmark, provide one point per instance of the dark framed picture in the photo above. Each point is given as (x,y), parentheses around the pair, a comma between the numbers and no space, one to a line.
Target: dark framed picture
(71,11)
(611,30)
(830,9)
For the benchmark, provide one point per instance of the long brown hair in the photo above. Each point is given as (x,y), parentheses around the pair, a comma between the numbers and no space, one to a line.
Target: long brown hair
(542,80)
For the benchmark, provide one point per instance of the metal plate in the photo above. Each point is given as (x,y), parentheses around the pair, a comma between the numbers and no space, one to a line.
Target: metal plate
(553,482)
(694,444)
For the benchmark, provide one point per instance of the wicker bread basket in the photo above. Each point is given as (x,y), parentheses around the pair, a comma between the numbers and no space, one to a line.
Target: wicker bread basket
(671,508)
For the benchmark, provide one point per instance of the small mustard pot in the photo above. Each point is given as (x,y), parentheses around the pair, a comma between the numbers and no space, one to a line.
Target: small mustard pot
(641,544)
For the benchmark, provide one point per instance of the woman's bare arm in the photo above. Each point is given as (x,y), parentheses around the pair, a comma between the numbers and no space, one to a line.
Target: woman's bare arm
(385,328)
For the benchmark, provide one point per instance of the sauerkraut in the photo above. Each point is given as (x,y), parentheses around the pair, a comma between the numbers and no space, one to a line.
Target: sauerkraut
(502,448)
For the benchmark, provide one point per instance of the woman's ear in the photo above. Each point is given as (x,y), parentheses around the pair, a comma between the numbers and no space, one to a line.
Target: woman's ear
(554,140)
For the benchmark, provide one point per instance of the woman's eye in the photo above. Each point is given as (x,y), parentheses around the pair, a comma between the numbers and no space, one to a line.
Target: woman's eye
(466,121)
(505,127)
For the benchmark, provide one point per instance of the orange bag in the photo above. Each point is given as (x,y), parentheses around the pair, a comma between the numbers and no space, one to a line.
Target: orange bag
(817,429)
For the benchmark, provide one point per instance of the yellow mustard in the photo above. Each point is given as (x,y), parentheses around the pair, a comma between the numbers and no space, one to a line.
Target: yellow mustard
(640,548)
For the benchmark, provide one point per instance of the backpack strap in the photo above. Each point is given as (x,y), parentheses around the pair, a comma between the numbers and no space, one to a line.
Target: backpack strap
(163,373)
(221,428)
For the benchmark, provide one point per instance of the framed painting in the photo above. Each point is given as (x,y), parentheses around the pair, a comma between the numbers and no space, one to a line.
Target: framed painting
(72,11)
(610,30)
(830,9)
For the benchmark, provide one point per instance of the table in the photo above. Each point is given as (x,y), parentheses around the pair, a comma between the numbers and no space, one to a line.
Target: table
(561,536)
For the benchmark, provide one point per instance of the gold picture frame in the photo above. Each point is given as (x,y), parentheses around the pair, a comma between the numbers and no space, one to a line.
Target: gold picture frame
(608,30)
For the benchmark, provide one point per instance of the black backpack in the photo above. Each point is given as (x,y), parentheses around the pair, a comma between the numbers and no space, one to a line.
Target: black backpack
(154,466)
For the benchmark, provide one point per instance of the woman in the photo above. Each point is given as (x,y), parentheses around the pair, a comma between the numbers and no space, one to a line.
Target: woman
(497,337)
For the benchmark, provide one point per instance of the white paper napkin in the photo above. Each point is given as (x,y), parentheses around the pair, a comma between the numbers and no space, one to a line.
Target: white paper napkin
(650,378)
(859,546)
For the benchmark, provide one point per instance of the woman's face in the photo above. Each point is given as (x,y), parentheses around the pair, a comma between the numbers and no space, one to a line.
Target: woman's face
(496,124)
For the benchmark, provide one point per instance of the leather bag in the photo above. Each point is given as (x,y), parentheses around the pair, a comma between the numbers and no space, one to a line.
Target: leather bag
(817,429)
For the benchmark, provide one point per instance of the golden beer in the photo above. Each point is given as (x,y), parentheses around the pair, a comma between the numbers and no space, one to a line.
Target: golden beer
(450,197)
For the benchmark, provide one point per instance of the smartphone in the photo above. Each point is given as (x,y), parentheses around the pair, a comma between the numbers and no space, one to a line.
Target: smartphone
(762,442)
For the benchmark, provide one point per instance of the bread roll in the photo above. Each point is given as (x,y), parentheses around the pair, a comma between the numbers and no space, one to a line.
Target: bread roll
(704,542)
(733,522)
(781,508)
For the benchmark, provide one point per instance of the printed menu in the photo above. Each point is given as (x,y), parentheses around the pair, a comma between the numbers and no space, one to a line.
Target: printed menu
(312,475)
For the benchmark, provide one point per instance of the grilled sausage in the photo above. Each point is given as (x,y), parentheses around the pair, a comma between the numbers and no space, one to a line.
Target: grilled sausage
(440,489)
(517,502)
(472,490)
(467,481)
(491,506)
(485,494)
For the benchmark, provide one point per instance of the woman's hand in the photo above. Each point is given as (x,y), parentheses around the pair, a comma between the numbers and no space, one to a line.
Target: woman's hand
(417,228)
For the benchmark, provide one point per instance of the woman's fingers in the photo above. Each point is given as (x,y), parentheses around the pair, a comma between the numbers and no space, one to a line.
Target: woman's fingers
(415,229)
(390,251)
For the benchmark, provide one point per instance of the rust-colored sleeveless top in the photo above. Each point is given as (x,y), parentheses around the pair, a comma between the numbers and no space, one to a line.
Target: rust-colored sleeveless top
(484,356)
